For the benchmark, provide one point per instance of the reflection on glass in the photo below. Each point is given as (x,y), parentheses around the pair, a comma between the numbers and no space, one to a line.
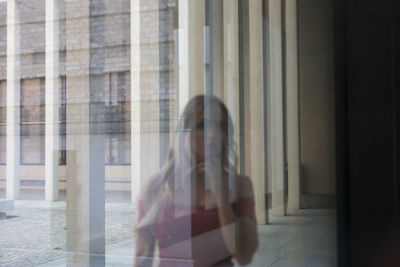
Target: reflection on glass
(197,209)
(125,71)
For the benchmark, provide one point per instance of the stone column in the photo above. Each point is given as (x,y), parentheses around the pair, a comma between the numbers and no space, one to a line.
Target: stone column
(191,50)
(276,130)
(145,67)
(52,77)
(13,100)
(85,132)
(292,105)
(254,104)
(231,66)
(217,48)
(192,64)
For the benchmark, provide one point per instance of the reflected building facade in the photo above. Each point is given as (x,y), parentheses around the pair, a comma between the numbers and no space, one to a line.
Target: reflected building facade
(91,92)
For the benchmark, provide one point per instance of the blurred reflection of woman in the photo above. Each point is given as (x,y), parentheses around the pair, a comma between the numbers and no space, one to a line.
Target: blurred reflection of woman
(197,211)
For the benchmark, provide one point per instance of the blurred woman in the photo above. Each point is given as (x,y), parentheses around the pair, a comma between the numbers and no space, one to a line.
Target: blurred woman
(198,211)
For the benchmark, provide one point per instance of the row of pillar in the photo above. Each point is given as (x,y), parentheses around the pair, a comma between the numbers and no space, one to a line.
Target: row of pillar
(85,132)
(282,109)
(14,94)
(191,77)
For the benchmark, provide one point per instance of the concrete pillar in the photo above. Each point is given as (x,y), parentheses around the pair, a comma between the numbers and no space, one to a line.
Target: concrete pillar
(216,48)
(13,100)
(191,50)
(254,104)
(135,100)
(231,66)
(85,132)
(292,105)
(145,67)
(52,76)
(276,130)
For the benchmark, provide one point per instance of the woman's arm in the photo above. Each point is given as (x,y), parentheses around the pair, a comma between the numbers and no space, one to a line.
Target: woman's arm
(144,249)
(239,229)
(247,225)
(145,239)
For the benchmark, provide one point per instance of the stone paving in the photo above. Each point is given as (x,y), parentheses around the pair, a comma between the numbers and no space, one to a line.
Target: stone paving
(35,232)
(35,235)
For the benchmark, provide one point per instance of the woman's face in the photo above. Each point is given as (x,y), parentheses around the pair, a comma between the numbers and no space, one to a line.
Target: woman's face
(209,135)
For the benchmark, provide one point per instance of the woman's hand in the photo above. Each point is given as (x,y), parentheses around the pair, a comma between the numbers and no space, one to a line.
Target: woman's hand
(216,176)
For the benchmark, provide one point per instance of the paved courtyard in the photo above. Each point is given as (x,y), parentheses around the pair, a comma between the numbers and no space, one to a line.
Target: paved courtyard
(34,234)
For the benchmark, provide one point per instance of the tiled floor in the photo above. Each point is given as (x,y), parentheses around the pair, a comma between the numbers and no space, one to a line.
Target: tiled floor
(304,238)
(36,237)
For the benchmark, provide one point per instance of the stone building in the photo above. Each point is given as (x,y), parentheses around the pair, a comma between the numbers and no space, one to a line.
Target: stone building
(91,90)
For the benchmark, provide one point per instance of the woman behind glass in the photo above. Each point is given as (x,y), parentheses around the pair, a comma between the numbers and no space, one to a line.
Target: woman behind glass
(197,211)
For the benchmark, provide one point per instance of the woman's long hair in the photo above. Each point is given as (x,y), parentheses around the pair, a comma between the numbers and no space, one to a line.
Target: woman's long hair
(158,196)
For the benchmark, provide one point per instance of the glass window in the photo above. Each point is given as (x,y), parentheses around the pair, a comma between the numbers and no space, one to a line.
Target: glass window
(3,142)
(117,103)
(62,120)
(3,101)
(32,100)
(32,121)
(32,144)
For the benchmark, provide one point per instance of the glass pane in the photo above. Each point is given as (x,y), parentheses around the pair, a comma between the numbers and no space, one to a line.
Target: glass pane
(3,102)
(32,144)
(32,100)
(62,113)
(117,96)
(3,148)
(167,133)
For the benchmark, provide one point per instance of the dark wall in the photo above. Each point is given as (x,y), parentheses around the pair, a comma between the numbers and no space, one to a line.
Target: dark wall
(367,112)
(316,88)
